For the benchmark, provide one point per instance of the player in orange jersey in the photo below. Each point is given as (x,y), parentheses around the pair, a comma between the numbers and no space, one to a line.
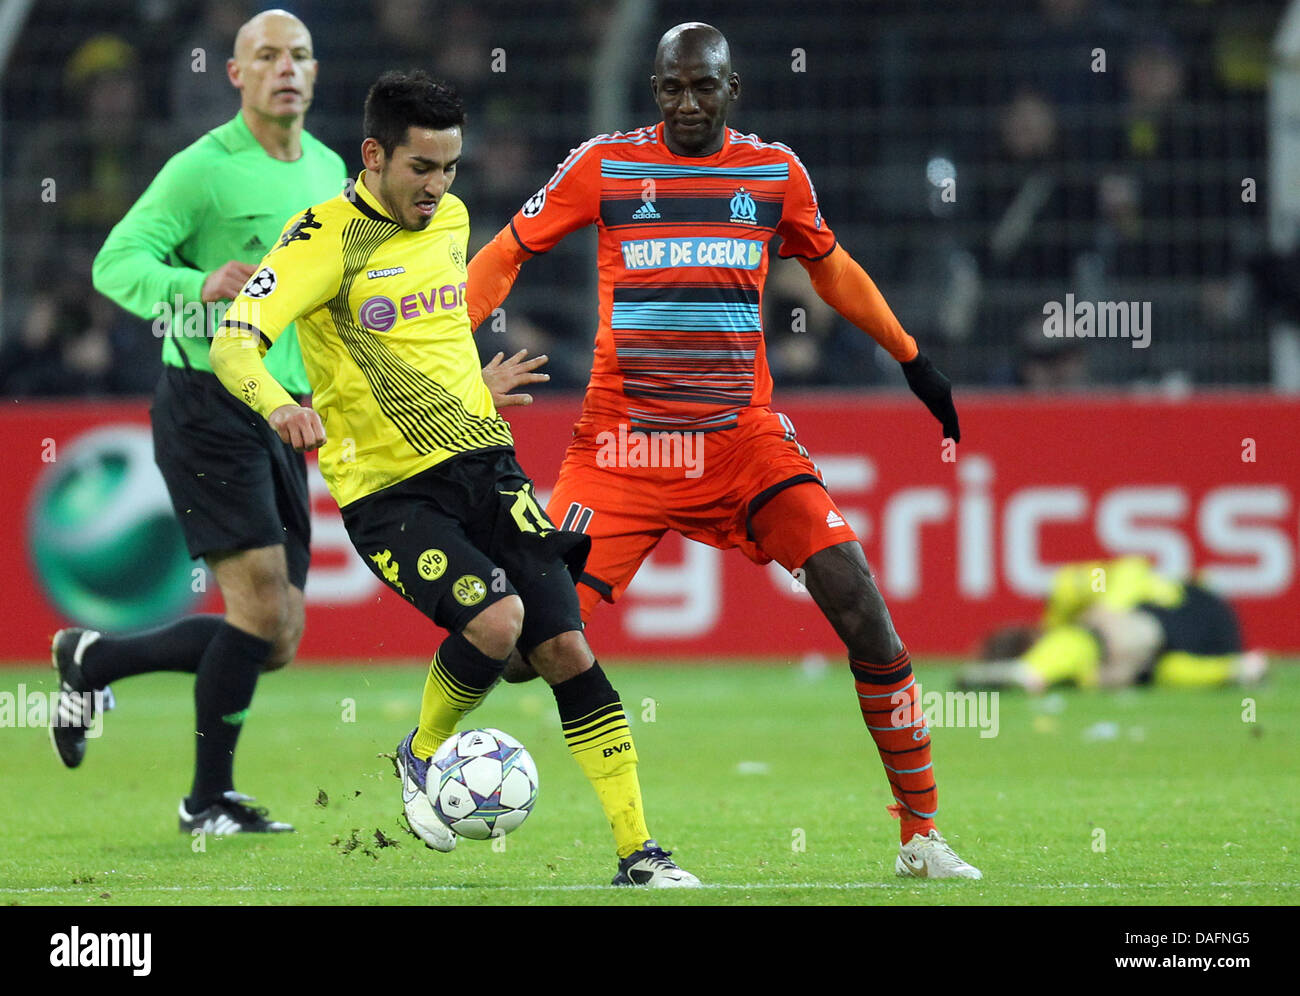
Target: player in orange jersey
(677,432)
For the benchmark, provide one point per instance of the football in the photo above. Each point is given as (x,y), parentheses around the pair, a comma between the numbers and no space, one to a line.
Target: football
(482,783)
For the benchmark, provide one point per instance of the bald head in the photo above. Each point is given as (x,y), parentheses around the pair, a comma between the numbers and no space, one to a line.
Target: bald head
(694,41)
(256,28)
(694,87)
(273,68)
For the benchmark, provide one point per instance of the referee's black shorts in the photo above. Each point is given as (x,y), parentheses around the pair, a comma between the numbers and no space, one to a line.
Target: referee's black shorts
(1202,624)
(466,533)
(233,483)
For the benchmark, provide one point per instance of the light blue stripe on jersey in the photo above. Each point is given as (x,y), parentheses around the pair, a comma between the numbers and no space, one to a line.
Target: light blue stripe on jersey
(635,353)
(621,169)
(712,316)
(639,137)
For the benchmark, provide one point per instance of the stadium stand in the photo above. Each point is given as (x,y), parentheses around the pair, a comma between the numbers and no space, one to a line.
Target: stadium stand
(978,165)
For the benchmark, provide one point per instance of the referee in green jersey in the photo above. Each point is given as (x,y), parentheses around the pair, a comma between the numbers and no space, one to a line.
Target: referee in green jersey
(239,492)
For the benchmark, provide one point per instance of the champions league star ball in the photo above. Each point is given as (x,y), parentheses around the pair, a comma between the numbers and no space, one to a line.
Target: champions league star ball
(261,283)
(485,784)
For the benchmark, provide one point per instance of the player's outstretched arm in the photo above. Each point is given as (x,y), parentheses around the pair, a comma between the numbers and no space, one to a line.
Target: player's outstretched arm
(930,385)
(299,427)
(492,273)
(237,361)
(502,376)
(300,275)
(846,287)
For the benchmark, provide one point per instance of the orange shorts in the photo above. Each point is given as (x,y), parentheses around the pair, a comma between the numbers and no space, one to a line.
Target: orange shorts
(752,487)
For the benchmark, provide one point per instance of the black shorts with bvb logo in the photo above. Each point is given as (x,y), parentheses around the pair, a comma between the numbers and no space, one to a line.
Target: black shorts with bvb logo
(458,537)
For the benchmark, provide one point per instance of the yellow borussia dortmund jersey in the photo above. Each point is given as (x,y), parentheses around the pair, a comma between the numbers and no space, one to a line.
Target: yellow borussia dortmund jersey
(385,338)
(1122,584)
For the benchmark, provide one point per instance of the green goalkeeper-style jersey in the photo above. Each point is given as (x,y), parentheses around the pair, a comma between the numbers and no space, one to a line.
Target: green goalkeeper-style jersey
(219,199)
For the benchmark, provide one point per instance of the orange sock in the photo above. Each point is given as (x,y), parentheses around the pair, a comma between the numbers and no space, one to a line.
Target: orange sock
(888,699)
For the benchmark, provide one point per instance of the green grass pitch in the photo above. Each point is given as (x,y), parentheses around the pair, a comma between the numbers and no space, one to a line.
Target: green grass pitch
(761,778)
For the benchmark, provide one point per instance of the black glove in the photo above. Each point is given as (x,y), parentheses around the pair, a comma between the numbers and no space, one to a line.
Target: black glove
(932,387)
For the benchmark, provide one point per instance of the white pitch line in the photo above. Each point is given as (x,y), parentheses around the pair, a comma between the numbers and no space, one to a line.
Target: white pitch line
(720,887)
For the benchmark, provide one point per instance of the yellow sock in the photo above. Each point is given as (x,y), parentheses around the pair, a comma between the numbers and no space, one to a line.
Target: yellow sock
(596,731)
(459,677)
(1066,654)
(1178,669)
(602,745)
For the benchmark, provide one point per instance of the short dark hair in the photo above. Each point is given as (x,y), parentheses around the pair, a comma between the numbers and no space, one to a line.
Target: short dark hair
(399,101)
(1007,642)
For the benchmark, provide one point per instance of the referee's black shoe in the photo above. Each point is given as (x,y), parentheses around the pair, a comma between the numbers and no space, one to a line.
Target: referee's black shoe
(79,705)
(228,815)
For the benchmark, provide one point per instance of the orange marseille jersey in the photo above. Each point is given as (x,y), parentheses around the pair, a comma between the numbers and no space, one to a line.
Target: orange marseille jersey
(682,259)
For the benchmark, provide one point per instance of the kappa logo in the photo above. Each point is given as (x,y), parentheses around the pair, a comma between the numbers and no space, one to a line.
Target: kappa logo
(743,208)
(533,206)
(646,212)
(387,271)
(301,230)
(388,568)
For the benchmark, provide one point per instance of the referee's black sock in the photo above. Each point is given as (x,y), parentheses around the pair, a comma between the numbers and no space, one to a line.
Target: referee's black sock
(176,647)
(223,691)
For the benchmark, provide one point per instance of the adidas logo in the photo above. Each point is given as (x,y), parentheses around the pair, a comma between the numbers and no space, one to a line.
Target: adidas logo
(833,519)
(646,212)
(255,245)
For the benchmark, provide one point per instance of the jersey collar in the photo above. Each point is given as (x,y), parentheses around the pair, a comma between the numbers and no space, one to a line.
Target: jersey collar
(238,137)
(663,144)
(235,136)
(364,201)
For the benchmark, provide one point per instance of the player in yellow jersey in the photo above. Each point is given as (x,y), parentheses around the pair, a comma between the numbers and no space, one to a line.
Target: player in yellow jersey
(421,464)
(1117,623)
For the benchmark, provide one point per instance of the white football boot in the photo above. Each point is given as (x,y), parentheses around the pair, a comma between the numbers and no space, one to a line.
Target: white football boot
(931,857)
(420,817)
(654,868)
